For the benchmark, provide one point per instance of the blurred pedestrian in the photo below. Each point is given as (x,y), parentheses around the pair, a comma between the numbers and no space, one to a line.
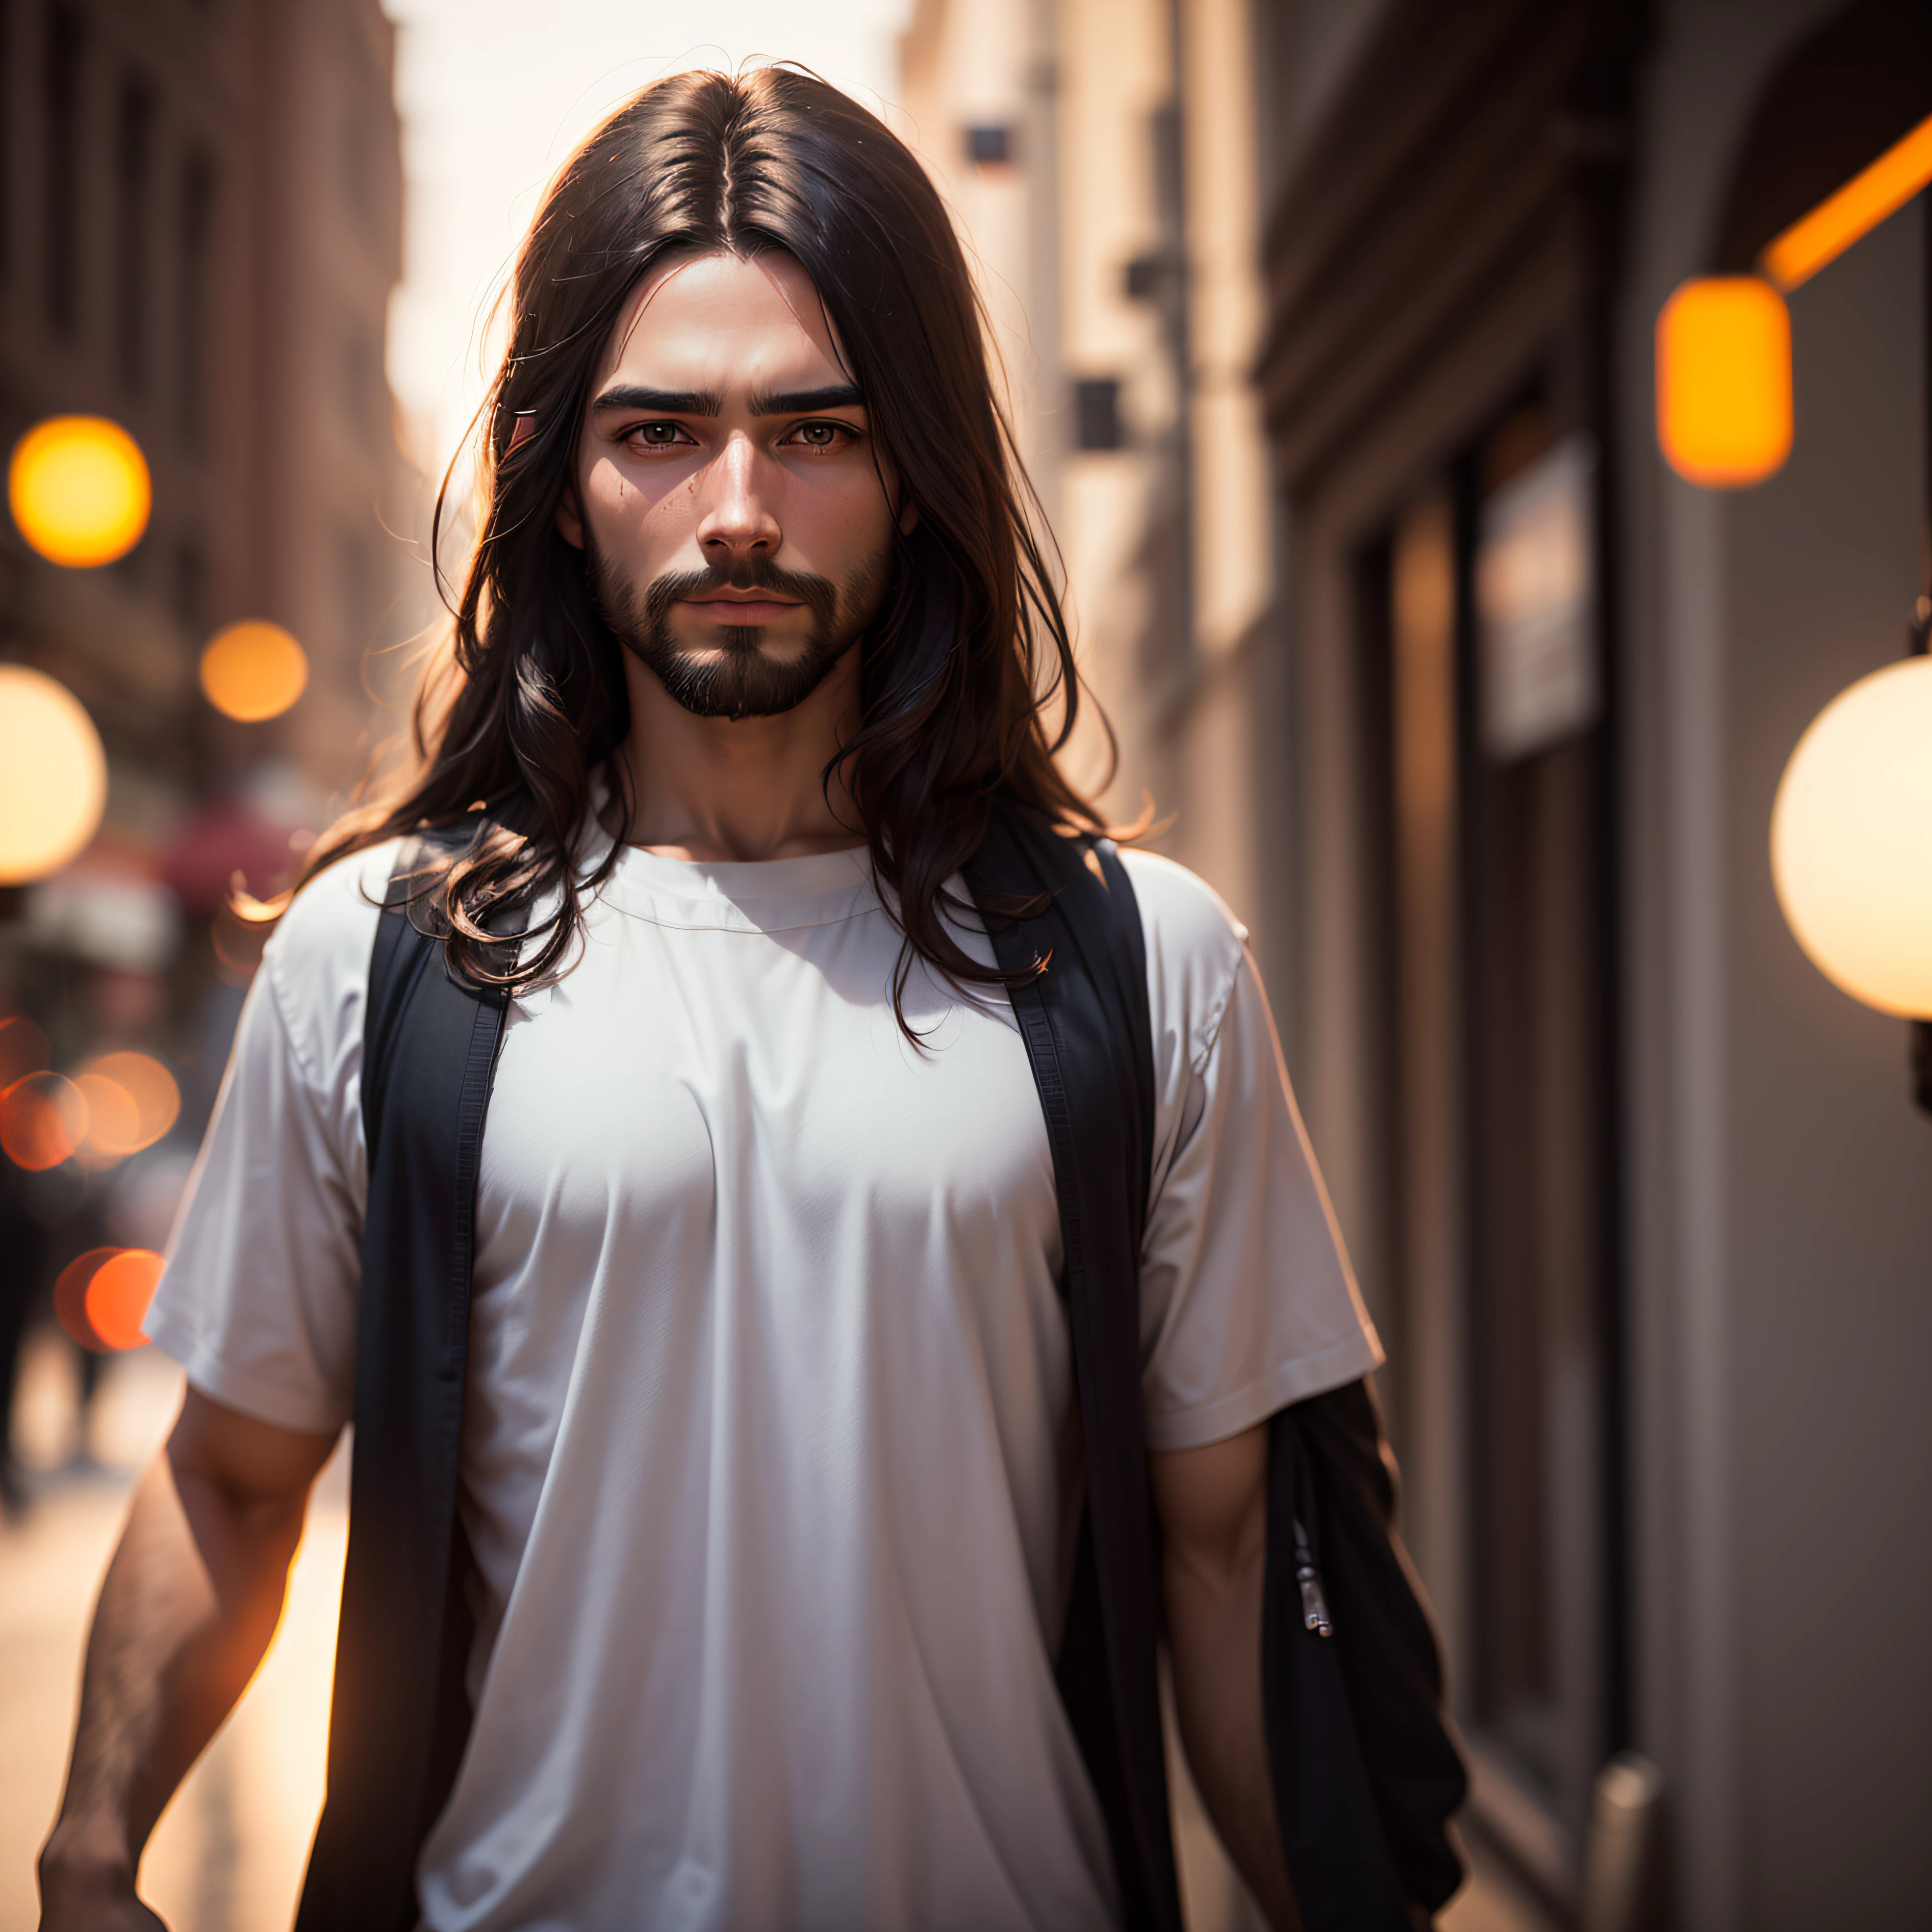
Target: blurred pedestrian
(22,1277)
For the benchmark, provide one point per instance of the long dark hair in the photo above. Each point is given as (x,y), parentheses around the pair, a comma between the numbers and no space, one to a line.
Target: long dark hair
(969,658)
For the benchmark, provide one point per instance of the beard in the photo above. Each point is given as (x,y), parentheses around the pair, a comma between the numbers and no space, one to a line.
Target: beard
(738,677)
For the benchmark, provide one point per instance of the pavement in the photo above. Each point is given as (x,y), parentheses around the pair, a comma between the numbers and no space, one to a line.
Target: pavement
(228,1854)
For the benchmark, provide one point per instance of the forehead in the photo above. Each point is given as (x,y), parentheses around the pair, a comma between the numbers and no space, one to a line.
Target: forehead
(722,322)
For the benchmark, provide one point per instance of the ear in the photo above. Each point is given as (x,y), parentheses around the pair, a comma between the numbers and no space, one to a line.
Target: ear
(570,519)
(908,520)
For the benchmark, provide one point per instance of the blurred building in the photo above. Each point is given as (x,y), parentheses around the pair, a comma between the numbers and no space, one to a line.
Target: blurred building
(1330,323)
(200,212)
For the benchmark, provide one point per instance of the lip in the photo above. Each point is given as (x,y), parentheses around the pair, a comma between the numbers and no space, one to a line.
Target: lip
(749,608)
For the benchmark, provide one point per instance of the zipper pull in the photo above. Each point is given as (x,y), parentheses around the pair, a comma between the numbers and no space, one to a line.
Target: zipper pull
(1314,1604)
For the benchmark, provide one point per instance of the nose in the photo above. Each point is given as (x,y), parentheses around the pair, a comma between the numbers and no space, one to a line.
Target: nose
(735,521)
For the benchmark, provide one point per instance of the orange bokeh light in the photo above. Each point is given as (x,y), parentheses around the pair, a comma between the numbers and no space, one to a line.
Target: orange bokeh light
(113,1120)
(70,1289)
(80,490)
(253,671)
(1723,381)
(43,1121)
(132,1102)
(23,1049)
(118,1297)
(101,1297)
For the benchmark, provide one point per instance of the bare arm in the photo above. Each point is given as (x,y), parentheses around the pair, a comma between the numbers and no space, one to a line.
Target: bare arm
(190,1603)
(1213,1503)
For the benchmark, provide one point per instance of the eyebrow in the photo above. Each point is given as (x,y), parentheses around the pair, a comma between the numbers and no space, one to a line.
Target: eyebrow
(672,402)
(709,403)
(802,402)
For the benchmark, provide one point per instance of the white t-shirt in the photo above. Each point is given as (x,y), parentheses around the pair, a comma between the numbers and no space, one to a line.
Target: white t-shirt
(771,1456)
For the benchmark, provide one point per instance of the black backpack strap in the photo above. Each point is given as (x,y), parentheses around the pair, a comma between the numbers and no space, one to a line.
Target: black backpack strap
(1088,1035)
(1367,1771)
(400,1714)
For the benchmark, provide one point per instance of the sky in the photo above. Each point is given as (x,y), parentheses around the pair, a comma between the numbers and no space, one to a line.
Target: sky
(494,95)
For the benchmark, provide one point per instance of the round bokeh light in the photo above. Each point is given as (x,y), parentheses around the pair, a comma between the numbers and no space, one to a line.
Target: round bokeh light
(43,1121)
(101,1297)
(118,1297)
(132,1101)
(70,1288)
(53,775)
(113,1120)
(1851,840)
(252,671)
(79,491)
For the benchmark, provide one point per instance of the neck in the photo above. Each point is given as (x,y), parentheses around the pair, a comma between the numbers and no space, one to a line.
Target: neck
(726,789)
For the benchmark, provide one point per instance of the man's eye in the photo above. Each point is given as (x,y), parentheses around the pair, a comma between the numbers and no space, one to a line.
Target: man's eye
(655,436)
(822,435)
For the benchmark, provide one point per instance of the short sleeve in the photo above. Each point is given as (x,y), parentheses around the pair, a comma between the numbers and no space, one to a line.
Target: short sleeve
(257,1300)
(1248,1302)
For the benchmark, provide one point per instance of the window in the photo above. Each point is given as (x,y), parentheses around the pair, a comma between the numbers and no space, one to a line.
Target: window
(62,177)
(1482,614)
(8,121)
(199,191)
(134,161)
(1538,1020)
(989,145)
(1096,414)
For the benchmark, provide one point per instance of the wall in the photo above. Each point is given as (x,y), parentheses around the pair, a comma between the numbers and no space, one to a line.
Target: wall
(1781,1211)
(327,245)
(1778,1216)
(1171,650)
(263,406)
(1830,1172)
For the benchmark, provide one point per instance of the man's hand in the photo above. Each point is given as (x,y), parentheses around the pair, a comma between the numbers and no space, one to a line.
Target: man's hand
(1213,1503)
(100,1902)
(190,1603)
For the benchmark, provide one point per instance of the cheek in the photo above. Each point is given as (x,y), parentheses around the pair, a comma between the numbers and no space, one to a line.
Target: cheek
(843,522)
(627,514)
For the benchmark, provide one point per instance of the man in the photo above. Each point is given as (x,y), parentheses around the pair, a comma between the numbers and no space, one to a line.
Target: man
(771,1466)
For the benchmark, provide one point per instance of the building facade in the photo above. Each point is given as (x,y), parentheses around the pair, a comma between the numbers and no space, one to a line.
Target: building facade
(1475,711)
(200,223)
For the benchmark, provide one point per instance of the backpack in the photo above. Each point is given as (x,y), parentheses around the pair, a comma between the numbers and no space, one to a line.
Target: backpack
(1366,1769)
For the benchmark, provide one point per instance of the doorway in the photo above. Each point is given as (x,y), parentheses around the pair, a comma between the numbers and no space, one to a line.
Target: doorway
(1481,638)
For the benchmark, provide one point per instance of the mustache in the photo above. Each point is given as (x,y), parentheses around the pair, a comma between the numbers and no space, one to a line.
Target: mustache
(820,594)
(742,682)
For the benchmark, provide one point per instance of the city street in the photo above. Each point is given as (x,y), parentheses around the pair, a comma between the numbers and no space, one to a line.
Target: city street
(228,1855)
(1448,482)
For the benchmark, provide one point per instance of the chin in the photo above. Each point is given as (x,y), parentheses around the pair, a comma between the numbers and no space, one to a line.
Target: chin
(739,671)
(733,640)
